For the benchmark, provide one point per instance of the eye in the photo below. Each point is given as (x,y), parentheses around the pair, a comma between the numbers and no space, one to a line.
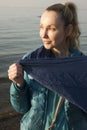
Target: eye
(52,28)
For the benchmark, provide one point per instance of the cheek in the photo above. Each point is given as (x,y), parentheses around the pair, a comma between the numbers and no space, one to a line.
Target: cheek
(55,36)
(60,35)
(52,35)
(58,38)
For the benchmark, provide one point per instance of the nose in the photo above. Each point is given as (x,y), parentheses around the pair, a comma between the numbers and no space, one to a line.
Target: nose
(44,33)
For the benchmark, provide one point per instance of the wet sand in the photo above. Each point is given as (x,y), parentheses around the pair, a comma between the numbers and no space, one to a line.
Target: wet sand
(9,118)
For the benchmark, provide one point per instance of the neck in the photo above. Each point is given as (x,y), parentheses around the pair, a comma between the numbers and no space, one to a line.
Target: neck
(61,52)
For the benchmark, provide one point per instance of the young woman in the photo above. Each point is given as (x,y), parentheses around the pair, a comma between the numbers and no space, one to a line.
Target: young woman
(60,33)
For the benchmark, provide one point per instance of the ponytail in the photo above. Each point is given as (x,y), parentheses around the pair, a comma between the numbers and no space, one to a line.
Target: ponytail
(74,38)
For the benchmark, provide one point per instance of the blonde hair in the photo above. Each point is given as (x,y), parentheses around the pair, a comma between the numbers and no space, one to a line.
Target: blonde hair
(68,13)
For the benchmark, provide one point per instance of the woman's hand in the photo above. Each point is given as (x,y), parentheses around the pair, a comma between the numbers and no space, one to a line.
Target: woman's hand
(16,74)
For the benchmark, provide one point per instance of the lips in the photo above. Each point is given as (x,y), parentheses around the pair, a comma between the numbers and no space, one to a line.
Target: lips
(47,42)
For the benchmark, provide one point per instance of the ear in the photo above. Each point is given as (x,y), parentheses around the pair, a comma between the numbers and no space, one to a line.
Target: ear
(69,30)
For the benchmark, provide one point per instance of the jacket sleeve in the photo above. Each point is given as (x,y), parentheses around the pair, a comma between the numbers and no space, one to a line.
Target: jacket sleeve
(20,97)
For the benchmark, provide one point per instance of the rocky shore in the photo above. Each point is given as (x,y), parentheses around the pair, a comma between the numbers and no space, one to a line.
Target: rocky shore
(9,118)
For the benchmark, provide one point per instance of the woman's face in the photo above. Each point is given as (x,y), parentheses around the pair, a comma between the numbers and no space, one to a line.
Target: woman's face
(52,30)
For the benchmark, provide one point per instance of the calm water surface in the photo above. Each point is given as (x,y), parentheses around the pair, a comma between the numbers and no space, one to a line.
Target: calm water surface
(19,33)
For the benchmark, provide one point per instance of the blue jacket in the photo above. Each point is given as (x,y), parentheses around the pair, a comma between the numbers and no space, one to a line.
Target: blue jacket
(38,104)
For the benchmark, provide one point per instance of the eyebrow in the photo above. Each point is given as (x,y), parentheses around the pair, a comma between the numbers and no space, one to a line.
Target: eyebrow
(48,25)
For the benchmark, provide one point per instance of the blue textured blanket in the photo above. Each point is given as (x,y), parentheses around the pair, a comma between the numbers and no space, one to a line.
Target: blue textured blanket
(66,76)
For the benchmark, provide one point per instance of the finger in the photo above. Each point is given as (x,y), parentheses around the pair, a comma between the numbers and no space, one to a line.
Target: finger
(15,65)
(15,68)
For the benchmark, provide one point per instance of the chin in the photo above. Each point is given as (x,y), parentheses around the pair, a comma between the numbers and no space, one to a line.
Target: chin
(47,47)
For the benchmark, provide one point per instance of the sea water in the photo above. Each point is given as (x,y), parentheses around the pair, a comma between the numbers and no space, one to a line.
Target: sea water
(19,33)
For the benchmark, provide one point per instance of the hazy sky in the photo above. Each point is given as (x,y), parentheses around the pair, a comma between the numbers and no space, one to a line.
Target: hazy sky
(19,3)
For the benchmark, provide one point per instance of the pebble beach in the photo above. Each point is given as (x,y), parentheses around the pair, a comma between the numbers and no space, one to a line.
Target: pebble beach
(9,118)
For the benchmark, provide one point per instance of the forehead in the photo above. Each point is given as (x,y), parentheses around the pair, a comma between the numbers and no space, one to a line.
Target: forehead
(51,17)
